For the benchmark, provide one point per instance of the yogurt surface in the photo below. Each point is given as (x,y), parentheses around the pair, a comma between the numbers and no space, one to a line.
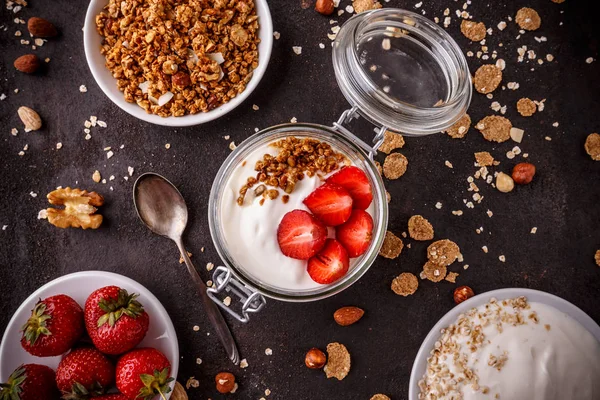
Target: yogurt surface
(250,230)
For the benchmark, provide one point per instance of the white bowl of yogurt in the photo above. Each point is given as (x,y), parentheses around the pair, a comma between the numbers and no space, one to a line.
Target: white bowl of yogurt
(246,236)
(548,351)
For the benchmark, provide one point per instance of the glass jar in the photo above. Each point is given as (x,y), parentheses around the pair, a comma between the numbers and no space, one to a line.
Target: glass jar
(398,70)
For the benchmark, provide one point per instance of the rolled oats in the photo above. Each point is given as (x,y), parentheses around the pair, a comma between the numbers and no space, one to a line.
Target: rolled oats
(443,252)
(392,246)
(434,272)
(395,166)
(460,127)
(495,128)
(526,107)
(474,31)
(338,361)
(178,58)
(528,19)
(487,78)
(392,141)
(419,228)
(592,146)
(405,284)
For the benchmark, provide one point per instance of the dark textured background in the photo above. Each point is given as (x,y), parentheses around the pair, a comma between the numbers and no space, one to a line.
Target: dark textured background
(563,200)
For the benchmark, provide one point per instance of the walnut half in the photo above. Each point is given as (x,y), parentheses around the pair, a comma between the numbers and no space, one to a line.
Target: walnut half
(80,208)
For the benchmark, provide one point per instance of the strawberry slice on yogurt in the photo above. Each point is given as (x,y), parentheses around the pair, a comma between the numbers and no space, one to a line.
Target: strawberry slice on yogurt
(331,203)
(356,233)
(330,264)
(355,181)
(300,235)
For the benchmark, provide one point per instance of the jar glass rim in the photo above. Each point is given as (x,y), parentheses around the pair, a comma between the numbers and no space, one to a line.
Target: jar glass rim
(273,133)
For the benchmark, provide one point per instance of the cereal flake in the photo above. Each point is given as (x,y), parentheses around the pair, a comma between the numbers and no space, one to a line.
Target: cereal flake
(592,146)
(487,78)
(495,128)
(419,228)
(392,246)
(434,272)
(405,284)
(391,142)
(484,159)
(474,31)
(526,107)
(460,127)
(528,19)
(338,361)
(395,166)
(443,252)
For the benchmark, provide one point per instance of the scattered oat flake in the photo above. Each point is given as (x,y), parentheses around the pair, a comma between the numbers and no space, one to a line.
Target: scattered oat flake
(533,230)
(244,363)
(43,214)
(495,128)
(297,49)
(592,146)
(321,46)
(460,127)
(474,31)
(395,166)
(391,141)
(198,361)
(167,146)
(232,146)
(227,301)
(96,177)
(420,228)
(438,205)
(109,154)
(276,35)
(528,19)
(502,258)
(196,328)
(349,9)
(487,78)
(589,60)
(405,284)
(484,248)
(392,246)
(293,120)
(181,260)
(338,361)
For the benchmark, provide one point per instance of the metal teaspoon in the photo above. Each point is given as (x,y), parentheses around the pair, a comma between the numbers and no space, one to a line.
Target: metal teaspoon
(162,209)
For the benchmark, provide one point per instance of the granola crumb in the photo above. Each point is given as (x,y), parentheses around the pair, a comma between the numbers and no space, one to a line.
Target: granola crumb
(405,284)
(451,277)
(592,146)
(338,361)
(244,364)
(96,177)
(392,246)
(391,142)
(533,230)
(181,260)
(268,351)
(443,252)
(395,166)
(528,19)
(192,383)
(460,127)
(487,78)
(526,107)
(434,272)
(420,228)
(474,31)
(495,128)
(484,159)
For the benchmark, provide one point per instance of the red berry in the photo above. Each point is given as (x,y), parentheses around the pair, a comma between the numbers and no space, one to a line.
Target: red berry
(330,264)
(300,235)
(84,372)
(355,181)
(143,373)
(115,320)
(330,203)
(356,234)
(30,382)
(56,323)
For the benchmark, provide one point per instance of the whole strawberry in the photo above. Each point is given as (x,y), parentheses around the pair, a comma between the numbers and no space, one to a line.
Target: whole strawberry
(143,373)
(115,320)
(30,382)
(84,372)
(56,323)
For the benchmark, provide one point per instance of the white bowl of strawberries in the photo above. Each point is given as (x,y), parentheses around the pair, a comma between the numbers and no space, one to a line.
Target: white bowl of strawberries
(89,334)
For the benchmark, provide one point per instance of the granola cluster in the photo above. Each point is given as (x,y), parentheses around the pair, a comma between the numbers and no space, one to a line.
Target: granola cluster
(175,57)
(296,157)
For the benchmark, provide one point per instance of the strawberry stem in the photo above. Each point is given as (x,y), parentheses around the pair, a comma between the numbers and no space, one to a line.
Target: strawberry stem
(114,309)
(36,324)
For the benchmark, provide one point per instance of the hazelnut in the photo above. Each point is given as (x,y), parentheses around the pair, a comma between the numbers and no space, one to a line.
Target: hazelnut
(225,382)
(523,173)
(504,183)
(315,359)
(181,79)
(324,7)
(462,293)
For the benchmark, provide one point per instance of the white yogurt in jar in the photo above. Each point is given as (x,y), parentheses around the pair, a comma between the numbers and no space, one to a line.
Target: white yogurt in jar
(536,353)
(250,230)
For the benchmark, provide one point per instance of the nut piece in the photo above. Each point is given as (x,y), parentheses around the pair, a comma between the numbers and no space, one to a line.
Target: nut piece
(324,7)
(526,107)
(504,183)
(348,315)
(419,228)
(462,293)
(395,166)
(40,27)
(474,31)
(592,146)
(225,382)
(80,207)
(495,128)
(181,79)
(487,78)
(315,359)
(391,247)
(405,284)
(460,127)
(523,173)
(30,118)
(528,19)
(28,63)
(338,361)
(178,392)
(380,397)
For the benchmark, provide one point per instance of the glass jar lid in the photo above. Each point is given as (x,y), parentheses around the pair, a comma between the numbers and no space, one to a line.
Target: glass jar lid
(402,71)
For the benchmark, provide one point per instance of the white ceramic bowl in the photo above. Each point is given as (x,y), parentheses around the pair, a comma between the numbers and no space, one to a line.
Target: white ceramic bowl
(92,41)
(420,364)
(161,333)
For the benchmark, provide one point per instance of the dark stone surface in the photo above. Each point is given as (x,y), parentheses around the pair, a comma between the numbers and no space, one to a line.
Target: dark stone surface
(563,200)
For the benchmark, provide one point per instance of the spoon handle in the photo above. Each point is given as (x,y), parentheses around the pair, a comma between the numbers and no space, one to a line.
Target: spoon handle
(214,314)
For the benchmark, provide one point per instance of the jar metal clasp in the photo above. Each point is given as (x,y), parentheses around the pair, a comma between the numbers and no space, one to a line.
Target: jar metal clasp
(349,115)
(251,300)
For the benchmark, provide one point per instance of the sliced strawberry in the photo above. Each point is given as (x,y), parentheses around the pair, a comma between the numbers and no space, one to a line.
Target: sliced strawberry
(330,264)
(300,235)
(355,181)
(332,204)
(356,234)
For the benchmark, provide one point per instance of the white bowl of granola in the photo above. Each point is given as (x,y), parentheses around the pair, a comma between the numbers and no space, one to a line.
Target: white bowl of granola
(510,344)
(178,65)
